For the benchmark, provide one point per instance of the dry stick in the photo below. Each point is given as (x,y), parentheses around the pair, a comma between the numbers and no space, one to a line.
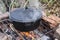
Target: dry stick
(3,30)
(51,21)
(16,32)
(46,28)
(4,15)
(47,19)
(25,4)
(3,20)
(12,29)
(50,30)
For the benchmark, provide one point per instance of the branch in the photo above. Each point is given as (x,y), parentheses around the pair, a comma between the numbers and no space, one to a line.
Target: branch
(4,15)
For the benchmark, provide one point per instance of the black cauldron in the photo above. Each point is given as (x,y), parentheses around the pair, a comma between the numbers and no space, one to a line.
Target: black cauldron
(25,19)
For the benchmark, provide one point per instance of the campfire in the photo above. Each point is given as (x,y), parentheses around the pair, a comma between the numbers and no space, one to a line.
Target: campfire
(42,32)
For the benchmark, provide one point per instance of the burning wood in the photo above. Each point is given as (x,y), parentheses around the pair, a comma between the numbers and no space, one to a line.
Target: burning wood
(28,34)
(32,35)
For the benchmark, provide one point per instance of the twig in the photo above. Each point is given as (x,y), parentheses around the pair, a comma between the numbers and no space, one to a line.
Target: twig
(16,32)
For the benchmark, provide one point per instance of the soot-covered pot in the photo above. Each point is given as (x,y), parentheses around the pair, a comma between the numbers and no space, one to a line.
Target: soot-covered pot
(25,19)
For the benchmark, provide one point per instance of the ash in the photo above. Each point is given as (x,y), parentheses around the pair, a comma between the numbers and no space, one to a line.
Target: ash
(38,34)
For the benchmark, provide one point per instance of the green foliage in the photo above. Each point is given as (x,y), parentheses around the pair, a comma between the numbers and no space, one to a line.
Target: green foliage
(2,7)
(14,4)
(44,1)
(52,6)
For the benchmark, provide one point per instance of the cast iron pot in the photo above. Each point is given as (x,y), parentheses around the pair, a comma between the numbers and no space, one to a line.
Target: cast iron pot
(27,26)
(25,19)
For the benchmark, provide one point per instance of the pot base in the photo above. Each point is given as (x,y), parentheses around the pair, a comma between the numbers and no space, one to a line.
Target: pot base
(24,27)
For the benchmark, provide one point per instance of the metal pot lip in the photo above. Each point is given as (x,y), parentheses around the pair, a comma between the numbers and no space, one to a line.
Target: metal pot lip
(23,21)
(27,22)
(14,16)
